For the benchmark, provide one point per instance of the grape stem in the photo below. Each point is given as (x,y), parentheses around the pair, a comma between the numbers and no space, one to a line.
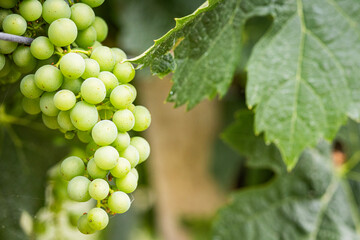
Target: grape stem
(15,38)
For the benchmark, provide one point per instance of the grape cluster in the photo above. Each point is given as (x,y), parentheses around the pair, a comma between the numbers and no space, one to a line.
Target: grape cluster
(81,88)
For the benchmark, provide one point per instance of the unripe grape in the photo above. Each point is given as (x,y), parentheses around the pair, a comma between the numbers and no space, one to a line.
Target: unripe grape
(31,106)
(127,184)
(82,15)
(124,120)
(8,3)
(42,48)
(103,55)
(2,61)
(94,171)
(7,47)
(93,90)
(28,87)
(71,167)
(119,202)
(122,168)
(78,189)
(86,38)
(119,54)
(72,65)
(135,172)
(92,69)
(6,68)
(50,122)
(142,146)
(98,218)
(73,85)
(142,118)
(106,157)
(93,3)
(101,28)
(91,148)
(22,57)
(64,100)
(83,225)
(55,9)
(121,97)
(131,154)
(30,9)
(110,81)
(48,78)
(99,189)
(84,136)
(14,24)
(124,72)
(104,132)
(84,116)
(64,121)
(122,141)
(62,32)
(47,105)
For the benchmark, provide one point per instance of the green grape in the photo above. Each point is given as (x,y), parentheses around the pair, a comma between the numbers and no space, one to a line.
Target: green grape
(98,218)
(42,48)
(47,105)
(84,116)
(106,157)
(106,114)
(82,15)
(49,61)
(30,9)
(14,24)
(48,78)
(92,69)
(93,3)
(6,68)
(131,154)
(99,189)
(22,57)
(7,47)
(110,81)
(69,135)
(64,100)
(31,106)
(104,132)
(101,28)
(3,14)
(131,107)
(133,89)
(119,54)
(122,96)
(28,87)
(103,55)
(122,141)
(2,61)
(83,225)
(142,146)
(135,172)
(29,68)
(86,38)
(142,118)
(72,65)
(122,168)
(62,32)
(128,183)
(71,167)
(50,122)
(13,75)
(124,72)
(73,85)
(84,136)
(64,121)
(78,189)
(96,44)
(119,202)
(93,90)
(124,120)
(94,171)
(55,9)
(91,148)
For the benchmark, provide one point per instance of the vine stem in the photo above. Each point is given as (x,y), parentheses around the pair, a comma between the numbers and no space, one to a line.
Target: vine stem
(15,38)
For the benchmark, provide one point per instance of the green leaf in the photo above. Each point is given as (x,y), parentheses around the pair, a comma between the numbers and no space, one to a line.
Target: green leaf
(308,203)
(25,156)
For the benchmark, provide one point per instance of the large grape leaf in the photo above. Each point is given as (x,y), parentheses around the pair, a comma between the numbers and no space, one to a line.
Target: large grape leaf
(312,202)
(26,153)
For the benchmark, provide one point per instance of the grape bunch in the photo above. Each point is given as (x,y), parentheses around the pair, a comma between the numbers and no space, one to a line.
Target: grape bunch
(82,89)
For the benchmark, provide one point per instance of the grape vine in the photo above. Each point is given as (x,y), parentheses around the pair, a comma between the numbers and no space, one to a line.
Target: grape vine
(81,88)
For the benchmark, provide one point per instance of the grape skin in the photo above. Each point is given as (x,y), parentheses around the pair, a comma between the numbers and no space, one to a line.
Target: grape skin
(119,202)
(98,219)
(72,167)
(99,189)
(78,189)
